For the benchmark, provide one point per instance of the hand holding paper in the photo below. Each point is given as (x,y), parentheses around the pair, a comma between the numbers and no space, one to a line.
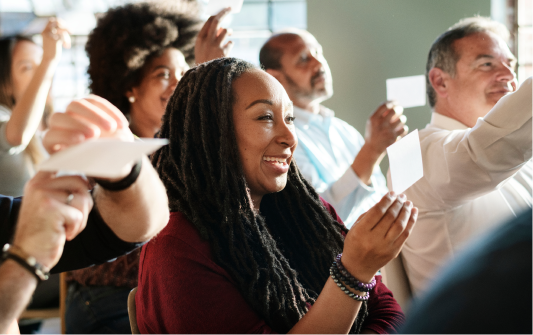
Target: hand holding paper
(102,158)
(405,161)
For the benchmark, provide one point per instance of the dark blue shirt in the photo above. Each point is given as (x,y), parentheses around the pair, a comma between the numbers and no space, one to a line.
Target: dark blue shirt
(96,244)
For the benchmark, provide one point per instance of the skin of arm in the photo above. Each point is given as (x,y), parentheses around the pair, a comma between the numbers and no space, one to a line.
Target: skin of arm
(373,241)
(45,222)
(16,288)
(383,128)
(135,214)
(28,110)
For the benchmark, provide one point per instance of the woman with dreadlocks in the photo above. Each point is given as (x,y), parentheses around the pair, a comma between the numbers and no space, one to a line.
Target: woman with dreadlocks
(250,246)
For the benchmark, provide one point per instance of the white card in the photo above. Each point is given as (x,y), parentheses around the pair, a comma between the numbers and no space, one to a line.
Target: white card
(405,162)
(103,158)
(213,7)
(407,91)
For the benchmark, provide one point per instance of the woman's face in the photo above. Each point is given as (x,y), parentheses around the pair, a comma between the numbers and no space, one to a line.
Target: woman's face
(26,58)
(263,120)
(160,78)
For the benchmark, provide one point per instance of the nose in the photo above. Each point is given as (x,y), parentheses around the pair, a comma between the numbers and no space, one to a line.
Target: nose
(287,135)
(506,73)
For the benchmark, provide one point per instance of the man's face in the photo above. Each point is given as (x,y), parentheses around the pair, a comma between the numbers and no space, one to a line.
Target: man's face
(305,72)
(484,74)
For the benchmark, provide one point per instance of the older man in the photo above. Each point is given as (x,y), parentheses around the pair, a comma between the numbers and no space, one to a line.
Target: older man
(476,150)
(340,164)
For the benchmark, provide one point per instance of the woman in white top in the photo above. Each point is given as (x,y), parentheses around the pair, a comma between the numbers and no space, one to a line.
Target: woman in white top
(26,72)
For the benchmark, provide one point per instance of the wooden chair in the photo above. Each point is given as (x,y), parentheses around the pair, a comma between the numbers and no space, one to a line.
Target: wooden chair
(132,312)
(48,313)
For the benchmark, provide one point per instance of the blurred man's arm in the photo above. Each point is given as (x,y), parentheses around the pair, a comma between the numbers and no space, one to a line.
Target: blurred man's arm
(134,214)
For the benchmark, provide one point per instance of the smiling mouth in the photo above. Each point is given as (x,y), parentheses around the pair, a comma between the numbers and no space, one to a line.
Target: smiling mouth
(276,160)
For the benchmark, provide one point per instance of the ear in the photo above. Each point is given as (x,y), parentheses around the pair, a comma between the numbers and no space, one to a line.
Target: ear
(439,80)
(276,74)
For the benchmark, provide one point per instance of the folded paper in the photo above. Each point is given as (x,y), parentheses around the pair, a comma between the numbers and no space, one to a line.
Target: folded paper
(103,158)
(405,162)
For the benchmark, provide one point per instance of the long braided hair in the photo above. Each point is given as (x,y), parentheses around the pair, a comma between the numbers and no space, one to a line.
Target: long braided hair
(280,258)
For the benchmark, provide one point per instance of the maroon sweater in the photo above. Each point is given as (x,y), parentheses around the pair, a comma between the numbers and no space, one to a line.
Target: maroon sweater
(182,289)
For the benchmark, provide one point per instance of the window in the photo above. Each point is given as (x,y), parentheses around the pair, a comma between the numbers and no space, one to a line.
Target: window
(252,26)
(524,39)
(256,21)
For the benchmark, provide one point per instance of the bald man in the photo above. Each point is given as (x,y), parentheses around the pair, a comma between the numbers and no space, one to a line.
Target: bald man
(340,164)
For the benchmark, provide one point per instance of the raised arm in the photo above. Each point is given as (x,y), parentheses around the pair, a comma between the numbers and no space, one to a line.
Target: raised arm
(47,217)
(469,163)
(135,214)
(29,107)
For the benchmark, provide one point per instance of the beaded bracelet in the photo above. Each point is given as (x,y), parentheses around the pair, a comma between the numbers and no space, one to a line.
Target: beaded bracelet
(335,276)
(351,281)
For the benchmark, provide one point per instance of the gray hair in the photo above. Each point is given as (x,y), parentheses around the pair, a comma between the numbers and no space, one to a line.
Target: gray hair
(442,54)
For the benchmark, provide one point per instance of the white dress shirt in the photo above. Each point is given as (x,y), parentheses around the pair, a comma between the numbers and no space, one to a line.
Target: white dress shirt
(474,179)
(327,147)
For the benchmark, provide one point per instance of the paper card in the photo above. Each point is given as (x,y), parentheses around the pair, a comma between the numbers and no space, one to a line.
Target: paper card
(213,7)
(103,158)
(407,91)
(405,162)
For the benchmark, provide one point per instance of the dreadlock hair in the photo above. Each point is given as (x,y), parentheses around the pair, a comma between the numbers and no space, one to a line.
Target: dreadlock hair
(127,37)
(280,258)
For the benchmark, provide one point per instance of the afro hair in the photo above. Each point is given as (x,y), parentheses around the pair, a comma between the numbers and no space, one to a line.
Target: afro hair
(127,37)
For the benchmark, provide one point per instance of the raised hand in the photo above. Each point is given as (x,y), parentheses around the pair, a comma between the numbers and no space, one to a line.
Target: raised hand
(378,236)
(209,43)
(385,126)
(54,209)
(55,36)
(89,118)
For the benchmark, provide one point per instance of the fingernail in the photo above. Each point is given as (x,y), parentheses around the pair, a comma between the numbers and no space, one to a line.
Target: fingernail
(402,197)
(392,194)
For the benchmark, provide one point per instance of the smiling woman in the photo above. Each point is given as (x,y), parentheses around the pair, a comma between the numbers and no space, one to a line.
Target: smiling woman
(249,244)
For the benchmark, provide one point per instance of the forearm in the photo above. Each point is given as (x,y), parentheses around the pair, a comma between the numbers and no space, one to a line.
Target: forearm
(365,163)
(28,111)
(334,312)
(139,212)
(16,288)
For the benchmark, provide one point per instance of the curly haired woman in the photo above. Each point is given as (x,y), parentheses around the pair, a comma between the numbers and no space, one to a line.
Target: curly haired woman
(250,246)
(138,53)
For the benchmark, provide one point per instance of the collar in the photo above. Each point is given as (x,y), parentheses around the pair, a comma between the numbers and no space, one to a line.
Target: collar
(445,122)
(306,117)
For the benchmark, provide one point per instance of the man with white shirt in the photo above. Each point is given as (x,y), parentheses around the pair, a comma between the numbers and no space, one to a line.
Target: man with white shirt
(340,164)
(476,151)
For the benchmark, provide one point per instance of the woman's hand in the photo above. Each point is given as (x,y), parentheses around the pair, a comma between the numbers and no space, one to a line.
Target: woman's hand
(55,35)
(378,236)
(209,43)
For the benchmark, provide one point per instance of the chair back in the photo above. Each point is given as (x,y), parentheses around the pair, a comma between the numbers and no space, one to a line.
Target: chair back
(396,280)
(132,312)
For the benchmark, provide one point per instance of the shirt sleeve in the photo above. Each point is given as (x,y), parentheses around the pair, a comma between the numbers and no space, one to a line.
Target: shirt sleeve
(462,165)
(96,244)
(9,210)
(348,191)
(5,147)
